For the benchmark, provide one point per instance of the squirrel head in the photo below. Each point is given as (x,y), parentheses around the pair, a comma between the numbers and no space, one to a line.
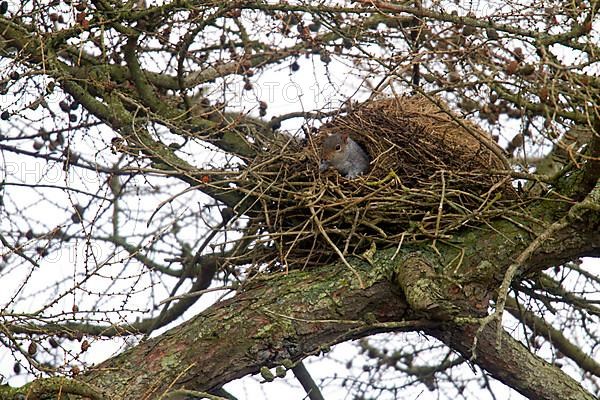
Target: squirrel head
(334,146)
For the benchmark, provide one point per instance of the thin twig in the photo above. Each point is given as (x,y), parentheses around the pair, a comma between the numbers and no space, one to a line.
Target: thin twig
(335,248)
(196,293)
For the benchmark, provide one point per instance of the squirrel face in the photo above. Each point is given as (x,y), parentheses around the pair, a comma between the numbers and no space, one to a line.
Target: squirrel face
(333,148)
(344,154)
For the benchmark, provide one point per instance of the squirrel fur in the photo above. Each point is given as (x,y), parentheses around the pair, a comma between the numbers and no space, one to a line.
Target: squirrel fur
(344,154)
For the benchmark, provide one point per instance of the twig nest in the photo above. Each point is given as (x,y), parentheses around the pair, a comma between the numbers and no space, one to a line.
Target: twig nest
(431,173)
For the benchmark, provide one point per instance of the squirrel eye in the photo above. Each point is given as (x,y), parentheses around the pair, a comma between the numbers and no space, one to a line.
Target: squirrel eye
(338,147)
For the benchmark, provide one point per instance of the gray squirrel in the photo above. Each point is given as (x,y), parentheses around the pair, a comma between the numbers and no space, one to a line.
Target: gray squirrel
(343,154)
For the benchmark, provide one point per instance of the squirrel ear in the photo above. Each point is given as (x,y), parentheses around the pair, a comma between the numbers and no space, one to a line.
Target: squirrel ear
(345,137)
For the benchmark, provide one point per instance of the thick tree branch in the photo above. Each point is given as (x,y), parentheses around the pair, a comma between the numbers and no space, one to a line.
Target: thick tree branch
(512,363)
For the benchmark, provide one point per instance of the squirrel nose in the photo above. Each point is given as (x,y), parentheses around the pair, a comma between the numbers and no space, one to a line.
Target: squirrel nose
(323,165)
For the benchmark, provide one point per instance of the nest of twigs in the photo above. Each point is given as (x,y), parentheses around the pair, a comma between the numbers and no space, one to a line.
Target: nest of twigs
(431,174)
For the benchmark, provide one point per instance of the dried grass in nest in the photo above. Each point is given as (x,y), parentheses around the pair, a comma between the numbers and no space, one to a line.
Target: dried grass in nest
(429,175)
